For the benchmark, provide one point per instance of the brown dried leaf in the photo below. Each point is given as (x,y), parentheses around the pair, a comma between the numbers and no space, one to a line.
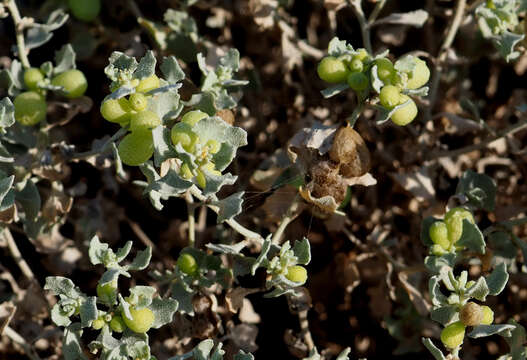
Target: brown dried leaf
(418,183)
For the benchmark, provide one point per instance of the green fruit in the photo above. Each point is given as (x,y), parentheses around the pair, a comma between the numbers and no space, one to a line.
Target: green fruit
(452,336)
(117,324)
(390,96)
(136,148)
(98,324)
(437,250)
(142,320)
(182,134)
(32,77)
(116,111)
(73,82)
(138,101)
(187,264)
(332,70)
(147,84)
(488,315)
(406,114)
(144,120)
(201,179)
(296,274)
(356,64)
(185,172)
(358,81)
(419,76)
(385,69)
(193,117)
(213,145)
(85,10)
(439,234)
(107,293)
(362,55)
(30,108)
(454,222)
(471,314)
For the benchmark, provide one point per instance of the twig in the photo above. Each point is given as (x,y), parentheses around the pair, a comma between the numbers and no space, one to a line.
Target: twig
(17,256)
(103,148)
(304,327)
(191,219)
(376,11)
(364,28)
(286,220)
(19,30)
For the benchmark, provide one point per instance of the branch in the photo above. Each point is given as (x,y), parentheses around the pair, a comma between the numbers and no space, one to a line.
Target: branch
(364,28)
(19,30)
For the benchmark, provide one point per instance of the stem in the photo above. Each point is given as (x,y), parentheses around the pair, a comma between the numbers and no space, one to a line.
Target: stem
(304,326)
(103,148)
(191,220)
(364,28)
(19,30)
(17,256)
(376,11)
(286,220)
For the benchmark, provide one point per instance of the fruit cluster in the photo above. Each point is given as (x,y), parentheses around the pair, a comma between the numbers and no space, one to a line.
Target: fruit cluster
(31,106)
(136,147)
(445,234)
(471,314)
(392,82)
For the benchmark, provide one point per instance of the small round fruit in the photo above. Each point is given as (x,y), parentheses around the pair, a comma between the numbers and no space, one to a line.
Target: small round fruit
(117,324)
(116,111)
(358,81)
(182,133)
(193,117)
(438,233)
(98,324)
(488,315)
(136,148)
(437,250)
(30,108)
(142,320)
(332,70)
(419,76)
(85,10)
(390,96)
(144,120)
(452,336)
(296,274)
(385,69)
(454,222)
(147,84)
(73,82)
(471,314)
(107,293)
(185,172)
(138,101)
(406,114)
(362,55)
(356,64)
(187,264)
(32,77)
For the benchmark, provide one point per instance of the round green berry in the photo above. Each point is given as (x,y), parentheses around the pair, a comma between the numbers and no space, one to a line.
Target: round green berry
(405,114)
(73,82)
(437,250)
(187,264)
(385,69)
(454,222)
(144,120)
(488,315)
(142,320)
(193,117)
(296,274)
(390,96)
(30,108)
(362,55)
(332,70)
(419,76)
(356,64)
(358,81)
(116,111)
(452,336)
(85,10)
(107,293)
(117,324)
(138,101)
(439,234)
(98,324)
(136,148)
(32,77)
(471,314)
(147,84)
(182,134)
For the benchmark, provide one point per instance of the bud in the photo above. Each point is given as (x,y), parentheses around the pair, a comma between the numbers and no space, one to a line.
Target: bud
(452,336)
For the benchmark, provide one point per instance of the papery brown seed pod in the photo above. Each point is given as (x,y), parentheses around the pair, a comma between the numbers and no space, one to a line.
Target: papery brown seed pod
(227,116)
(471,314)
(328,182)
(350,151)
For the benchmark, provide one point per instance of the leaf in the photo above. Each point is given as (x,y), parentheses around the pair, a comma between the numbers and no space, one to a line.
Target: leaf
(183,294)
(436,295)
(480,190)
(227,249)
(302,250)
(119,62)
(39,34)
(64,59)
(204,102)
(444,314)
(59,285)
(436,263)
(97,251)
(415,18)
(339,47)
(506,43)
(170,185)
(472,237)
(334,90)
(146,66)
(229,207)
(165,104)
(141,260)
(29,198)
(385,114)
(141,296)
(162,145)
(243,356)
(214,182)
(7,193)
(479,290)
(72,345)
(171,69)
(488,330)
(497,280)
(88,311)
(163,310)
(436,353)
(123,252)
(7,114)
(262,257)
(231,60)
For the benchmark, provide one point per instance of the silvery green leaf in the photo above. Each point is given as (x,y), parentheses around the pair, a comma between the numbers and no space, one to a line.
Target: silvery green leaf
(423,91)
(55,20)
(436,353)
(13,78)
(170,185)
(232,82)
(229,207)
(224,100)
(215,128)
(516,342)
(344,354)
(166,104)
(227,249)
(339,47)
(279,292)
(58,316)
(334,90)
(204,102)
(163,310)
(506,43)
(111,275)
(39,34)
(125,307)
(7,114)
(214,182)
(88,311)
(480,190)
(59,285)
(119,62)
(261,260)
(313,355)
(72,345)
(163,148)
(165,88)
(180,21)
(183,294)
(203,349)
(406,63)
(488,330)
(7,193)
(376,82)
(97,251)
(146,66)
(138,350)
(141,260)
(472,238)
(415,18)
(436,263)
(64,59)
(385,114)
(243,356)
(445,314)
(302,250)
(497,280)
(119,170)
(479,290)
(171,70)
(123,252)
(437,296)
(231,60)
(29,198)
(141,296)
(120,92)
